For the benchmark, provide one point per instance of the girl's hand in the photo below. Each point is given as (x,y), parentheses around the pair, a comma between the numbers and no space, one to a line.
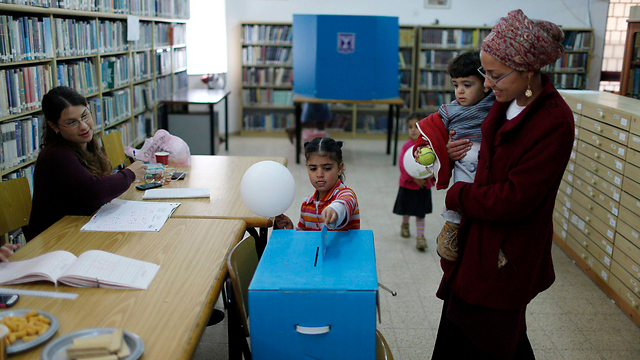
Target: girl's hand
(139,169)
(420,182)
(457,149)
(283,222)
(329,216)
(6,251)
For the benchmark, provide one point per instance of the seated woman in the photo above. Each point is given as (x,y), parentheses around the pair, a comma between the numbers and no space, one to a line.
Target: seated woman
(72,173)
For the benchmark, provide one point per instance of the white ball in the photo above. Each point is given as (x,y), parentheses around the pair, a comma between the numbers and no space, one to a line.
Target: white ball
(414,169)
(268,188)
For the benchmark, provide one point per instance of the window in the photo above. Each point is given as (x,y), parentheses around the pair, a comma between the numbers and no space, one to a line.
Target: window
(615,37)
(207,38)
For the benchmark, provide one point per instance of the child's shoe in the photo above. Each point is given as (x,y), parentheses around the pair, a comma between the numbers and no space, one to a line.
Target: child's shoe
(448,241)
(421,242)
(404,230)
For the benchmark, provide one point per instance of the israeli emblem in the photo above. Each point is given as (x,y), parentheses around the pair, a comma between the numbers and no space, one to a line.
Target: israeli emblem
(346,43)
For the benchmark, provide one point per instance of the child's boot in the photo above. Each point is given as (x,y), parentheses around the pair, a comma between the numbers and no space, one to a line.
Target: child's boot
(404,230)
(448,242)
(421,242)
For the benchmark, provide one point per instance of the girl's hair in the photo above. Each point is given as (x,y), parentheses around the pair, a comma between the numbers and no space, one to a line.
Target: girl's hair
(416,116)
(325,147)
(53,104)
(465,65)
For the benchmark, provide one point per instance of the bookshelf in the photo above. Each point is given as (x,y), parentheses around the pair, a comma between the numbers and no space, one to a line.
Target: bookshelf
(84,46)
(570,71)
(630,75)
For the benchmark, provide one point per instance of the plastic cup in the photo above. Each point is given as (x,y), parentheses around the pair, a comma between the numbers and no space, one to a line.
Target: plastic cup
(162,157)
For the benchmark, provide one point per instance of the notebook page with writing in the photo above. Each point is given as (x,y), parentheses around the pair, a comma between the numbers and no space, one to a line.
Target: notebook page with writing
(124,215)
(102,269)
(176,193)
(44,267)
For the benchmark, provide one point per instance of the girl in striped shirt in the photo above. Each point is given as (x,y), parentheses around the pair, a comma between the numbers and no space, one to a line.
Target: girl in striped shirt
(333,203)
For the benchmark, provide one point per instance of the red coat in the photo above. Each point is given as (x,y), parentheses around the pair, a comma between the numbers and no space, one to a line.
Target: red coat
(510,204)
(437,136)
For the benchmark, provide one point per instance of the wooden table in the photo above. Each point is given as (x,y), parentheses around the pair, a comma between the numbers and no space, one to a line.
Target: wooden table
(202,97)
(222,175)
(171,315)
(395,102)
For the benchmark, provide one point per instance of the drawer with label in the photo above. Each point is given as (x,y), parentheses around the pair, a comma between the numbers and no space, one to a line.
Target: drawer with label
(576,137)
(607,115)
(598,246)
(628,217)
(587,223)
(565,187)
(574,104)
(602,171)
(563,210)
(601,156)
(564,200)
(593,263)
(635,126)
(560,231)
(625,277)
(627,254)
(631,174)
(591,179)
(574,154)
(568,177)
(596,209)
(595,194)
(625,293)
(608,131)
(634,142)
(601,142)
(631,203)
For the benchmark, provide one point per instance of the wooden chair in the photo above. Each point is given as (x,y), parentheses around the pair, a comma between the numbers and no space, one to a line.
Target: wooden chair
(15,198)
(114,148)
(242,263)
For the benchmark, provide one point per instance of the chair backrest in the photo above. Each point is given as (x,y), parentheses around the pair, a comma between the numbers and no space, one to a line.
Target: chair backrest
(242,264)
(15,198)
(112,143)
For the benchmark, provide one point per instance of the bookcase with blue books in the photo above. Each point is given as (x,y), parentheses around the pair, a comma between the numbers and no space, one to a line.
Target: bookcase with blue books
(570,70)
(84,45)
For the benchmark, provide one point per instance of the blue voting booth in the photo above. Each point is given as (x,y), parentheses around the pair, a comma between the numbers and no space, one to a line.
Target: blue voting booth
(345,57)
(304,304)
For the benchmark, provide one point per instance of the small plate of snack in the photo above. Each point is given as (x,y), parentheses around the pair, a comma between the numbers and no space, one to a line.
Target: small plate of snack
(27,328)
(102,343)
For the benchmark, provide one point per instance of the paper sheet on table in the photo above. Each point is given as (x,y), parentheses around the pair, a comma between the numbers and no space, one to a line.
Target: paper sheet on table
(124,215)
(176,193)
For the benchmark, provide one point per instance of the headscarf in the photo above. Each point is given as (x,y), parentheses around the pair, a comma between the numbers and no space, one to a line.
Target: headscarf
(524,44)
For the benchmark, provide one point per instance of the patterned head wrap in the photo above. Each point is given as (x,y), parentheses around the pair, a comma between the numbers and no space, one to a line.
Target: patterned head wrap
(524,44)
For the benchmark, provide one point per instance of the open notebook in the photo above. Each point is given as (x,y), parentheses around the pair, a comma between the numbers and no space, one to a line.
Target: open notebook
(176,193)
(93,268)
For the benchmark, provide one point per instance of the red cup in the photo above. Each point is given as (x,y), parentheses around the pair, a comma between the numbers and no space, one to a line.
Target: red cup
(162,157)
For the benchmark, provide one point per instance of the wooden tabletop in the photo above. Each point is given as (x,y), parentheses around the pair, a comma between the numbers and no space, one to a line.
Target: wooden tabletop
(171,315)
(302,99)
(196,96)
(222,175)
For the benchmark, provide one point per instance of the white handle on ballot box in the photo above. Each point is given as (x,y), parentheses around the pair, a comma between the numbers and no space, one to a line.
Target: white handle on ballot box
(315,330)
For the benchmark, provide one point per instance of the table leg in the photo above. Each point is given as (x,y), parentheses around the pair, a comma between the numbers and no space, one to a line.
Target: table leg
(395,145)
(298,115)
(226,123)
(389,128)
(212,120)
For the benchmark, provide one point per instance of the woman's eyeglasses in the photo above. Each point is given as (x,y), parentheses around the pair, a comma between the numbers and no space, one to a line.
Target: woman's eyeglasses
(73,124)
(495,81)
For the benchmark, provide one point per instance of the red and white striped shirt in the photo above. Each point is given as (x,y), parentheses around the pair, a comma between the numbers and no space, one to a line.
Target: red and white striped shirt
(342,199)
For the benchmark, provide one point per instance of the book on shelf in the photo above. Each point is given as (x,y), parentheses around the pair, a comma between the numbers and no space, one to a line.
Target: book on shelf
(93,268)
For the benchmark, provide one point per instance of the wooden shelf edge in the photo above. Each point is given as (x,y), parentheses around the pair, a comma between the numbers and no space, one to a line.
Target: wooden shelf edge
(623,305)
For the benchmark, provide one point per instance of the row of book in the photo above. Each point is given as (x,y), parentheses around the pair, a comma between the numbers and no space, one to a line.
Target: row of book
(80,75)
(435,80)
(141,65)
(436,59)
(95,106)
(182,81)
(20,140)
(267,97)
(404,77)
(404,58)
(126,132)
(266,55)
(634,83)
(22,89)
(116,106)
(372,123)
(452,37)
(569,62)
(140,127)
(272,121)
(115,71)
(577,40)
(407,37)
(145,37)
(406,97)
(25,38)
(569,81)
(163,61)
(164,87)
(142,96)
(265,34)
(429,100)
(180,58)
(161,8)
(76,37)
(270,76)
(113,36)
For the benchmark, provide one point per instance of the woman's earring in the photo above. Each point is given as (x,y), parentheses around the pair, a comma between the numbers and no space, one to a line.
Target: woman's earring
(486,89)
(528,93)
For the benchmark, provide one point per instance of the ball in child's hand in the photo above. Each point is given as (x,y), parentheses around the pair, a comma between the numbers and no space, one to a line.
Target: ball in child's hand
(426,156)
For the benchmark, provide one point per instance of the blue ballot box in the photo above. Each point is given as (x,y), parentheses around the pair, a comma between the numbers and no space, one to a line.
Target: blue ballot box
(306,305)
(345,57)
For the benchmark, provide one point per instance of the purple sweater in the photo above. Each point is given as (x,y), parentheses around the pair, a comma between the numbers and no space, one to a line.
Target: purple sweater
(63,186)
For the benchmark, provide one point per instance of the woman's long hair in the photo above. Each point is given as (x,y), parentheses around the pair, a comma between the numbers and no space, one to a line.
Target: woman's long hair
(53,104)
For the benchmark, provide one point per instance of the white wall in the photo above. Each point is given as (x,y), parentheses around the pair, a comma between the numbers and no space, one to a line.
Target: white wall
(567,13)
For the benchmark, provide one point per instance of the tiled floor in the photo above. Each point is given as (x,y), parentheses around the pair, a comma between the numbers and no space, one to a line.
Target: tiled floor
(574,319)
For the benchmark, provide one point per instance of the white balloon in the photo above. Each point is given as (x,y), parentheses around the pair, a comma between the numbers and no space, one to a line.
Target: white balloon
(268,188)
(413,168)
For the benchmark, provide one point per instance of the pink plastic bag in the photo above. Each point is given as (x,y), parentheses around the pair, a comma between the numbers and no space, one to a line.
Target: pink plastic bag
(310,134)
(179,154)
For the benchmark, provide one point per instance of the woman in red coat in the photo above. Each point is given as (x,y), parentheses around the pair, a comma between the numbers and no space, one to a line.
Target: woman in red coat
(526,144)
